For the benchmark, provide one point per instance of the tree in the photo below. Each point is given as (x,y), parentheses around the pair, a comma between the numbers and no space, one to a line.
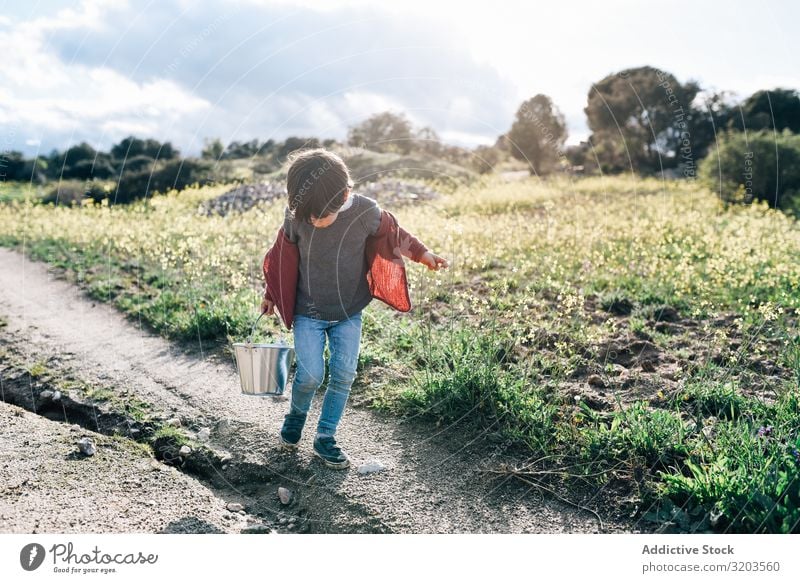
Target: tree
(292,144)
(139,163)
(501,143)
(78,153)
(11,165)
(78,161)
(100,168)
(428,141)
(580,157)
(34,170)
(267,147)
(485,158)
(640,118)
(383,132)
(133,146)
(14,166)
(778,109)
(212,149)
(538,134)
(239,150)
(712,114)
(455,155)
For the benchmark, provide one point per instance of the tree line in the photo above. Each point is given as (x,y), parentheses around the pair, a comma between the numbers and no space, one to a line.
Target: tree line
(642,120)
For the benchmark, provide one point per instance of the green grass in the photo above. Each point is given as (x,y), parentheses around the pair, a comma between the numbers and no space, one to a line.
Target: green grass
(748,480)
(38,369)
(169,434)
(99,393)
(723,400)
(467,377)
(657,437)
(543,272)
(698,455)
(17,191)
(138,410)
(157,296)
(138,448)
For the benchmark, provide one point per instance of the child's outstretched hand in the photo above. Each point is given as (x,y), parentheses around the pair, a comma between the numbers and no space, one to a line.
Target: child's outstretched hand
(433,261)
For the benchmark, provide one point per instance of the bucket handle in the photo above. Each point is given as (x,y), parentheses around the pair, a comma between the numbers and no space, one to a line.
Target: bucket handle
(281,336)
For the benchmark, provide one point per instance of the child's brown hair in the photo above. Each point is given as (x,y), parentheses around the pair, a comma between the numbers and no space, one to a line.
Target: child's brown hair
(316,183)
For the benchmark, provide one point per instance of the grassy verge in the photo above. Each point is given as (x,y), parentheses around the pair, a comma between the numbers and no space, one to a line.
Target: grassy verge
(708,457)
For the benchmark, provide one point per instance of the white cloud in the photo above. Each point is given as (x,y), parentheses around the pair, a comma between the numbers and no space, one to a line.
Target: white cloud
(357,105)
(46,96)
(86,71)
(183,70)
(467,139)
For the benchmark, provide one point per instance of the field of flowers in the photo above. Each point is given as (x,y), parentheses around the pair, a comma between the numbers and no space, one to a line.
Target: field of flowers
(628,333)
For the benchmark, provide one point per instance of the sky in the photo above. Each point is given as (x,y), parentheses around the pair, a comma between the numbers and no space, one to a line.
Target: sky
(185,71)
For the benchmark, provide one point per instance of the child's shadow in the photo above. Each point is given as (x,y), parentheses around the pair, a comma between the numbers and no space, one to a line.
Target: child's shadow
(314,470)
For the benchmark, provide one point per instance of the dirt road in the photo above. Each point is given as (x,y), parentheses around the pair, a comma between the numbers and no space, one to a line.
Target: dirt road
(432,481)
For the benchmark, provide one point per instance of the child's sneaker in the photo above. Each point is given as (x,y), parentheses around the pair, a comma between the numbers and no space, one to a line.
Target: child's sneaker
(291,431)
(330,453)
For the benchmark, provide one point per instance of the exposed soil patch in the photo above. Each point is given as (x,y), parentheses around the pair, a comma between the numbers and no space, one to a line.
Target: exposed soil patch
(629,352)
(651,363)
(48,486)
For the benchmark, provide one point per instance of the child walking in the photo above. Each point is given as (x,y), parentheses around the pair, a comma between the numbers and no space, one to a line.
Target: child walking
(335,252)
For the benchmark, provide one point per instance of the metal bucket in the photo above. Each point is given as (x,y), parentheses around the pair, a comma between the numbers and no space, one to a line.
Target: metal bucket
(263,368)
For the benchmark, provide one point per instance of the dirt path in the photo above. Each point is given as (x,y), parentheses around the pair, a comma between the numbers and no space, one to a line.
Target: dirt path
(432,481)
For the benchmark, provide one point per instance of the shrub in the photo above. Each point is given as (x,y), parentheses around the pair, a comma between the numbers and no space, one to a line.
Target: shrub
(87,169)
(173,174)
(755,166)
(72,192)
(139,163)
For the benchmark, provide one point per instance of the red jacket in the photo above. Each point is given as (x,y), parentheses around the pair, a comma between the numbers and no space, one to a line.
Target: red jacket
(386,274)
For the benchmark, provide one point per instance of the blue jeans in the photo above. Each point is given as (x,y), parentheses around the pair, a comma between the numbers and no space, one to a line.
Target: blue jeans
(344,338)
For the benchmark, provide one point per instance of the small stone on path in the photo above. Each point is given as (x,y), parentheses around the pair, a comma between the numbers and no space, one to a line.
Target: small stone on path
(371,467)
(285,495)
(86,446)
